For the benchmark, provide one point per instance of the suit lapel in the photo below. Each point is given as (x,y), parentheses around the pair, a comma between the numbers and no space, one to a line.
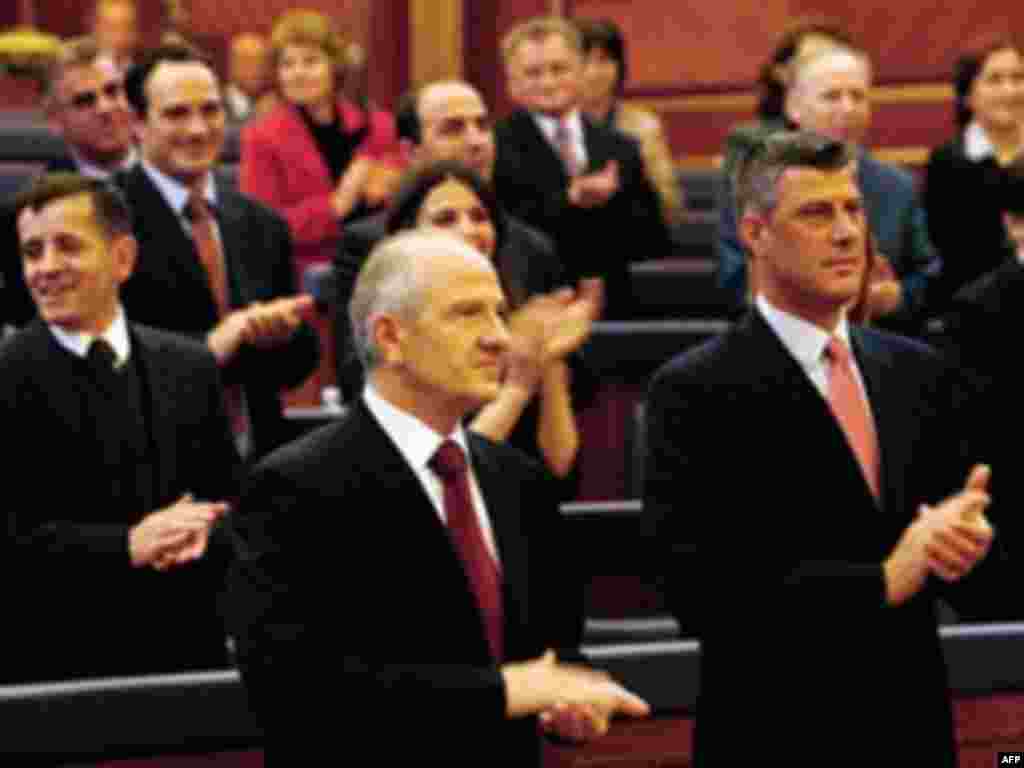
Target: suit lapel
(504,517)
(890,413)
(803,407)
(157,375)
(598,150)
(231,220)
(536,145)
(167,237)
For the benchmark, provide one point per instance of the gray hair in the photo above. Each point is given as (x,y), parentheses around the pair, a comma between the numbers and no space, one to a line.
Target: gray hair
(394,281)
(757,176)
(805,67)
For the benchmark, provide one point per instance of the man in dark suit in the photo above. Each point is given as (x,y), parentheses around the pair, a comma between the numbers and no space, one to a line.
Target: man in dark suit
(213,263)
(792,462)
(580,183)
(446,120)
(85,105)
(451,575)
(982,324)
(115,530)
(830,93)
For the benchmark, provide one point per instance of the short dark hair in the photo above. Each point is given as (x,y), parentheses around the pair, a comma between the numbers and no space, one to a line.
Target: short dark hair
(419,182)
(605,34)
(772,99)
(759,171)
(110,209)
(138,74)
(969,65)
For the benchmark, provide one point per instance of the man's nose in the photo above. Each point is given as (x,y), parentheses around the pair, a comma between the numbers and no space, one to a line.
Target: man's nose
(848,226)
(496,337)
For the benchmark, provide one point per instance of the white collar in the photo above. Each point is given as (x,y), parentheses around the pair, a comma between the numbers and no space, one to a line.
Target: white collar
(174,192)
(415,440)
(549,125)
(93,171)
(116,335)
(805,341)
(977,144)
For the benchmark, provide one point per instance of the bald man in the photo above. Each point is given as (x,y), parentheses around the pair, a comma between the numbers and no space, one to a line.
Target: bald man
(830,95)
(445,120)
(250,77)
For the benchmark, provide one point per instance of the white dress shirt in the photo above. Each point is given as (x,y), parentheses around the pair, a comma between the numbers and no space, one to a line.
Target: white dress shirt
(806,342)
(418,443)
(116,335)
(574,123)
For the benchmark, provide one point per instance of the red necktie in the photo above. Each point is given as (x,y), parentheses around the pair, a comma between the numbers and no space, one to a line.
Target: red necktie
(208,250)
(563,140)
(852,411)
(212,258)
(464,529)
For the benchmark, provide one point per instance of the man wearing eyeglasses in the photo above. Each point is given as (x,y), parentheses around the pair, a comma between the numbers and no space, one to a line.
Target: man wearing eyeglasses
(85,104)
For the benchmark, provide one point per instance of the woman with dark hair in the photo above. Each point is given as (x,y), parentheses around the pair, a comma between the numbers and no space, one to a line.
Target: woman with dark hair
(604,80)
(801,40)
(534,409)
(313,158)
(966,175)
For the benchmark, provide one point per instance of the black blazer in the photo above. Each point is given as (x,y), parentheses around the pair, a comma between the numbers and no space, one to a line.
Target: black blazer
(964,200)
(770,546)
(532,184)
(346,581)
(83,609)
(527,264)
(169,290)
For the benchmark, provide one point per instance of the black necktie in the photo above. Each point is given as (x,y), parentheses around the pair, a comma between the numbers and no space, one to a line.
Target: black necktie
(101,356)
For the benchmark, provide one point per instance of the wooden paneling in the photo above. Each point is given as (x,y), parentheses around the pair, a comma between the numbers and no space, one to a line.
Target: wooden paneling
(436,40)
(697,46)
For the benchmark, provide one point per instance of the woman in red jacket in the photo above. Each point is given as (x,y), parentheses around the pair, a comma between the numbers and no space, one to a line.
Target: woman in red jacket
(313,157)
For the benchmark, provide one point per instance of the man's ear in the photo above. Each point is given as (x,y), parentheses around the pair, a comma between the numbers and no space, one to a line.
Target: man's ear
(388,334)
(124,250)
(753,228)
(791,105)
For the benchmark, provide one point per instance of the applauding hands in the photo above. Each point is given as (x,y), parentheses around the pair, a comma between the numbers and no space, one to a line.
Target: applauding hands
(174,535)
(262,324)
(573,701)
(947,540)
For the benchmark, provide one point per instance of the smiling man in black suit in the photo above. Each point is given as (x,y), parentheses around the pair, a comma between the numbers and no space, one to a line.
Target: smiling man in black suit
(121,461)
(405,563)
(213,263)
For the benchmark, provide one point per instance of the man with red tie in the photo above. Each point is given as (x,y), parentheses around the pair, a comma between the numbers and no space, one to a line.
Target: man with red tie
(413,571)
(213,263)
(832,497)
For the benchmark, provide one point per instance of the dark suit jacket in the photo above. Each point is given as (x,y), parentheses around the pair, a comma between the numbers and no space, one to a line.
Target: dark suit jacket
(527,264)
(779,575)
(532,184)
(983,326)
(82,609)
(169,289)
(346,582)
(964,201)
(895,218)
